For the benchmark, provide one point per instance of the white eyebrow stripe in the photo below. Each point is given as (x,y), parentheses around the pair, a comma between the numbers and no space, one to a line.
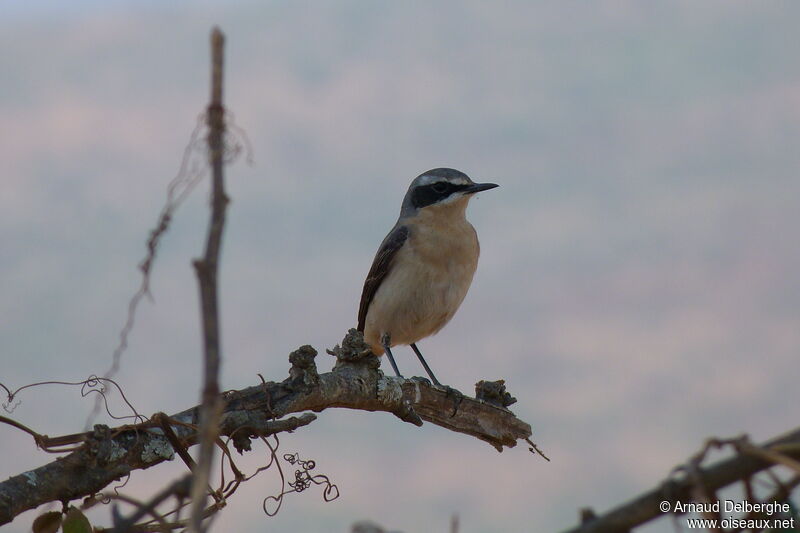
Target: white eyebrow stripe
(430,180)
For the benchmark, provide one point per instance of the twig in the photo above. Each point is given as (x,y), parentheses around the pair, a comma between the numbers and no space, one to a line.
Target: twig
(165,424)
(206,270)
(179,488)
(780,494)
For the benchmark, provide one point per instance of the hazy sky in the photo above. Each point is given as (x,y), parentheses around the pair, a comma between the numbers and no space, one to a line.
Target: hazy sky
(639,284)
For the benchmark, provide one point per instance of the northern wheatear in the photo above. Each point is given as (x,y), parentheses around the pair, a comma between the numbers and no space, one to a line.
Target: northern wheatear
(424,266)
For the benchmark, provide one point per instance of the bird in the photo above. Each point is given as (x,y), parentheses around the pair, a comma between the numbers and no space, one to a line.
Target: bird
(423,267)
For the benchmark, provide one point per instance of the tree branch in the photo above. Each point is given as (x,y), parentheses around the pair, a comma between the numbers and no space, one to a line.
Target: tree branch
(749,461)
(354,383)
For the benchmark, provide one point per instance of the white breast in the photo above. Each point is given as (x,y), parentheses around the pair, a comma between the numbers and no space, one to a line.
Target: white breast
(429,279)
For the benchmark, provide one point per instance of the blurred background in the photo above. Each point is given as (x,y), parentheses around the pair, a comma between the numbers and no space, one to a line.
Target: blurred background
(639,285)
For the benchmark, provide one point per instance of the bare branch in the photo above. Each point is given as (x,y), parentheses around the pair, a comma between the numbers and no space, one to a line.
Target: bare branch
(206,270)
(355,383)
(748,461)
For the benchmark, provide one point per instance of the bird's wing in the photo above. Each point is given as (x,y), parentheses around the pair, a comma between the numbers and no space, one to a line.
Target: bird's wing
(381,266)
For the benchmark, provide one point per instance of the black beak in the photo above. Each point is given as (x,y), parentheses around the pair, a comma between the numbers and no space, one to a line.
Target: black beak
(478,187)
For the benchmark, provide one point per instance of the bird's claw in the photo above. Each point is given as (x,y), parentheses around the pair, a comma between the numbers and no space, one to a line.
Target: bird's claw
(457,396)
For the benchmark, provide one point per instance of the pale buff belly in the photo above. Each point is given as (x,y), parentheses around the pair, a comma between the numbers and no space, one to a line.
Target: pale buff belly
(420,296)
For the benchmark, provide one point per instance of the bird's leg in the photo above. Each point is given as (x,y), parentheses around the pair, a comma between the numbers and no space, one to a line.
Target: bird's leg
(427,368)
(457,396)
(385,341)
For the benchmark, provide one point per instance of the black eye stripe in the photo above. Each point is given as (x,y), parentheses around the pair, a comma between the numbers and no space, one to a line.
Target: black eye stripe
(428,194)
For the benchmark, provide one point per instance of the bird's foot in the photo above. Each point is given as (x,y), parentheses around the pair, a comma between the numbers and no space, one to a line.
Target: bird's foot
(449,392)
(456,395)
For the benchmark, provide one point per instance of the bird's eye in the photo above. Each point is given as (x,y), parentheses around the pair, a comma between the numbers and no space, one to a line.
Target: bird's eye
(440,188)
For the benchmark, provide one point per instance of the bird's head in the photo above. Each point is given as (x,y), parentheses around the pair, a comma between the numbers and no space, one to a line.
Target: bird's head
(439,188)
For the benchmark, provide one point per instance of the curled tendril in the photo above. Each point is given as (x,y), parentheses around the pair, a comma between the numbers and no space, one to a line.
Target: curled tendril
(193,168)
(302,481)
(9,406)
(91,385)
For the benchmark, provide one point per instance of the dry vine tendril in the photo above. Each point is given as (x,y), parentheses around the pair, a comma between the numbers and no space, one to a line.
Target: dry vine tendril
(302,481)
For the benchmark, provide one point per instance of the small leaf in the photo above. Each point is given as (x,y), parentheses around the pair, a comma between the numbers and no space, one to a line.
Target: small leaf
(76,522)
(47,522)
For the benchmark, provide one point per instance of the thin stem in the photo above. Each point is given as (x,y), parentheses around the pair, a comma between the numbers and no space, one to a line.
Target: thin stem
(206,269)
